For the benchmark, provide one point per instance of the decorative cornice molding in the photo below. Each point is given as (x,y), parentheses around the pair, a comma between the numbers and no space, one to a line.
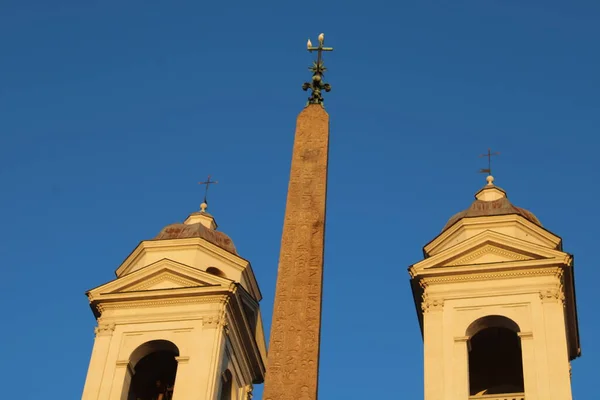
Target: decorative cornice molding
(189,277)
(105,329)
(538,252)
(127,304)
(412,271)
(489,249)
(225,300)
(469,277)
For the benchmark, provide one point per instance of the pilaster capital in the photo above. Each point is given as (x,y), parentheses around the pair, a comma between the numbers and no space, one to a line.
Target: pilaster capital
(105,329)
(552,295)
(214,322)
(429,305)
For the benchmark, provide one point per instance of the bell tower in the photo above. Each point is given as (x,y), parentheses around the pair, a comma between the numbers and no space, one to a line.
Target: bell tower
(495,300)
(181,321)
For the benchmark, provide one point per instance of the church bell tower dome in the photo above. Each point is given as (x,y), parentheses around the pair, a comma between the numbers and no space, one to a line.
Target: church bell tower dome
(489,201)
(201,225)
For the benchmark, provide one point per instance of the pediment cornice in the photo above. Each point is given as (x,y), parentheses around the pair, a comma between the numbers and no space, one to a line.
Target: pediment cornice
(489,248)
(159,279)
(447,238)
(179,244)
(131,263)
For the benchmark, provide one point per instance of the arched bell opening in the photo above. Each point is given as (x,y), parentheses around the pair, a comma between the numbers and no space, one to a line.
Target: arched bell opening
(154,370)
(495,358)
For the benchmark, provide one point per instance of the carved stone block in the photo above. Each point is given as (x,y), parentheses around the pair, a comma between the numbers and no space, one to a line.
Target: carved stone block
(293,361)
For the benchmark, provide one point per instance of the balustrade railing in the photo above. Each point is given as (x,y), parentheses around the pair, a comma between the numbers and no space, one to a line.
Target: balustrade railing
(505,396)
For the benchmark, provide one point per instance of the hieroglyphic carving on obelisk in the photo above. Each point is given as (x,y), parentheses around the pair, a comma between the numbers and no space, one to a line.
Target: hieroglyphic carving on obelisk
(293,360)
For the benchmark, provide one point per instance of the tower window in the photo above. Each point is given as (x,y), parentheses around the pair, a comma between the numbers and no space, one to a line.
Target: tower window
(251,316)
(216,271)
(226,385)
(495,359)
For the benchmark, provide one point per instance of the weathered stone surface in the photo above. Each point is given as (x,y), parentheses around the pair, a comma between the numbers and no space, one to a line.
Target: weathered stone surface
(293,360)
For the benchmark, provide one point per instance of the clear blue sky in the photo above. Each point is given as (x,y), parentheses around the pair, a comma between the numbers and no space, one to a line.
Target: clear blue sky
(112,111)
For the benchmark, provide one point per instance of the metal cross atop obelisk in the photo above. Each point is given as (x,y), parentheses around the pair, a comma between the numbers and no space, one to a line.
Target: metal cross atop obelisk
(207,183)
(318,69)
(293,361)
(489,156)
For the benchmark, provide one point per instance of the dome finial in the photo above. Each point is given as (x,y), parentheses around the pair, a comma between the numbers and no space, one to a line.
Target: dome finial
(490,180)
(204,204)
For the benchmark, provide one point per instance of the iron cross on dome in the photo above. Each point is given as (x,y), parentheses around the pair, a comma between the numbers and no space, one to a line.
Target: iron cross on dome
(207,183)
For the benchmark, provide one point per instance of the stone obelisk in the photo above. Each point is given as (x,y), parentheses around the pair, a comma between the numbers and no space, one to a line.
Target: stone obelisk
(293,360)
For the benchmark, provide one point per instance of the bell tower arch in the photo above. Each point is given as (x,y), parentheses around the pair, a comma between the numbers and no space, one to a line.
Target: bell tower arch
(153,370)
(182,313)
(495,298)
(495,356)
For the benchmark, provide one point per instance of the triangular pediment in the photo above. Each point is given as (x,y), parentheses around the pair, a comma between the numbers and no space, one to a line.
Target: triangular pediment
(174,247)
(160,276)
(489,253)
(164,279)
(514,226)
(487,248)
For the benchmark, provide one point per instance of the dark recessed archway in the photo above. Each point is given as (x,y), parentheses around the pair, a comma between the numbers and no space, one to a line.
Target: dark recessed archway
(155,367)
(226,385)
(495,358)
